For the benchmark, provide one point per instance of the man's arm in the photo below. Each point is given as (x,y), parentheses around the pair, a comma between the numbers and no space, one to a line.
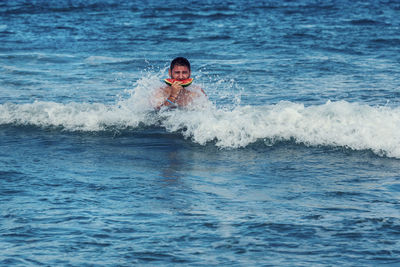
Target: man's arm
(167,95)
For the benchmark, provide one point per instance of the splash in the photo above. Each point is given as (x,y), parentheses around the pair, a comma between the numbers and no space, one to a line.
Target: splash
(351,125)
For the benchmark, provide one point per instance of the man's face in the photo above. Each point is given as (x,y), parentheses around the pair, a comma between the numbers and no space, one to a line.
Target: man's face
(179,72)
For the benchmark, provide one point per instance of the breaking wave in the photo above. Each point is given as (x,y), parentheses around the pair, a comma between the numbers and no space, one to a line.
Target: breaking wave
(351,125)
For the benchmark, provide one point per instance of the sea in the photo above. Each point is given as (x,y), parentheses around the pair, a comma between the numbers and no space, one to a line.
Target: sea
(293,159)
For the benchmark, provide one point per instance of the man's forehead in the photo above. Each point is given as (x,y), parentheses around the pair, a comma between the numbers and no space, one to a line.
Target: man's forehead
(180,68)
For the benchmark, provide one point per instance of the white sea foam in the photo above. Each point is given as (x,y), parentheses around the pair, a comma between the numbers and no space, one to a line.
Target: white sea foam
(351,125)
(334,124)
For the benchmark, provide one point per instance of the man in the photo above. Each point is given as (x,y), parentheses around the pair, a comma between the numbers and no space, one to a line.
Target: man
(175,95)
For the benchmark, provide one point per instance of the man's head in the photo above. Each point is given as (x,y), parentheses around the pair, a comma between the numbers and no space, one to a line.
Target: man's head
(179,69)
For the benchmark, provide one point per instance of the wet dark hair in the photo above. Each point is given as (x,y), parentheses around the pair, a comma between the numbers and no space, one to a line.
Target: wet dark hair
(180,61)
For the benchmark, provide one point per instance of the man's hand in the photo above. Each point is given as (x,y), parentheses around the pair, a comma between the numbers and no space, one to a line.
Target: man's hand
(176,88)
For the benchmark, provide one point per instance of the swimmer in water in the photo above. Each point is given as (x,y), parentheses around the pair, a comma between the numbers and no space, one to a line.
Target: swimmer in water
(175,95)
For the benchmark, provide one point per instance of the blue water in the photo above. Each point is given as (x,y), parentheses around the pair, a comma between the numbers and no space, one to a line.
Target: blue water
(293,161)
